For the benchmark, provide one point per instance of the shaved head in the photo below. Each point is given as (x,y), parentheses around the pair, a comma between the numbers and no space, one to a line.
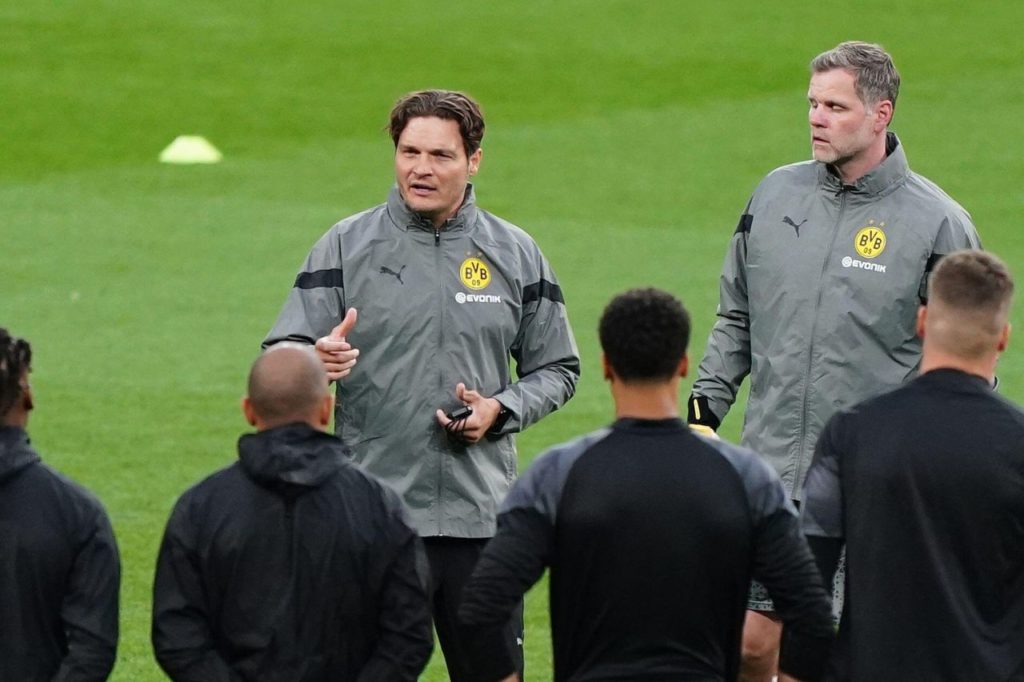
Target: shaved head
(287,384)
(969,298)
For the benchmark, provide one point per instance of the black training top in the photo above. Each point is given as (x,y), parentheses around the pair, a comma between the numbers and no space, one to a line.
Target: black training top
(652,535)
(926,486)
(59,572)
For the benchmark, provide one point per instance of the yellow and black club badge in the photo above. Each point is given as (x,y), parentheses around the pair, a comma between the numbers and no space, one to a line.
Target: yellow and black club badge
(870,240)
(475,273)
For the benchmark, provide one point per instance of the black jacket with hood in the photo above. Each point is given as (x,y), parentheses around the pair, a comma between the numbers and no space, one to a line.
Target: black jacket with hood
(291,564)
(59,572)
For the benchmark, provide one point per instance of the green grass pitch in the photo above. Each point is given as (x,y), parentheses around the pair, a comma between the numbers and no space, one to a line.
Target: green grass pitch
(625,136)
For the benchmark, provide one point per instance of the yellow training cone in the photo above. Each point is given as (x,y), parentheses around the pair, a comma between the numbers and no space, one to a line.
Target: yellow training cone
(190,149)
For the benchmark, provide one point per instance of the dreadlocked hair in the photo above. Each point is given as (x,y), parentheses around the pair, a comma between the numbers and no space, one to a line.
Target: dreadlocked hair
(15,360)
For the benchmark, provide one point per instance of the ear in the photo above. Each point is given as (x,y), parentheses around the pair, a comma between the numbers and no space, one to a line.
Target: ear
(326,409)
(28,402)
(250,414)
(684,366)
(607,368)
(474,161)
(883,115)
(1004,338)
(922,313)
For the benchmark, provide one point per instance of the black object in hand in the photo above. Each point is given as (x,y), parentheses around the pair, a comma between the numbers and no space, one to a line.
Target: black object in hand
(460,413)
(455,428)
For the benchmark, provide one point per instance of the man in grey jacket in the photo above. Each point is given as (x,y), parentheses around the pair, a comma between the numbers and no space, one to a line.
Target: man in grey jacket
(821,284)
(446,293)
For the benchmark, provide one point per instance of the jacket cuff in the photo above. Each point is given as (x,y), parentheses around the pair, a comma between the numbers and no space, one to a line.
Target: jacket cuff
(698,411)
(508,419)
(804,657)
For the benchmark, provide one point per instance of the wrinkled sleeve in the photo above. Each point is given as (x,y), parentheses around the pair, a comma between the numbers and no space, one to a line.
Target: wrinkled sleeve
(513,561)
(726,359)
(90,608)
(956,232)
(783,563)
(547,360)
(822,513)
(316,302)
(406,637)
(182,639)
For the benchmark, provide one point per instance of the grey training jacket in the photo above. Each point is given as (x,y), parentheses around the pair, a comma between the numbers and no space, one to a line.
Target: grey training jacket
(818,299)
(436,307)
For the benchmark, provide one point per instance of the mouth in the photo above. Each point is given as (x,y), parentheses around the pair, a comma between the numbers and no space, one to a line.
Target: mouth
(421,188)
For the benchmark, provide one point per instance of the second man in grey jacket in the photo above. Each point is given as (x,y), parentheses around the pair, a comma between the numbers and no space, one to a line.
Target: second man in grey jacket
(822,282)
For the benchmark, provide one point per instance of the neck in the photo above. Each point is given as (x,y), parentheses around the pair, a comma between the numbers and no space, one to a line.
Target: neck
(439,221)
(855,168)
(18,420)
(984,367)
(646,400)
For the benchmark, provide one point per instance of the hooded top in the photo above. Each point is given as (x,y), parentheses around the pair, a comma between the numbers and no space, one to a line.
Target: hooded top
(290,564)
(59,572)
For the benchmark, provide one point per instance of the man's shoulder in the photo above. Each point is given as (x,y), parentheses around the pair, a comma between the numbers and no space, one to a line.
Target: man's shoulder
(750,467)
(930,196)
(565,453)
(501,230)
(359,222)
(52,488)
(802,174)
(214,487)
(541,484)
(70,486)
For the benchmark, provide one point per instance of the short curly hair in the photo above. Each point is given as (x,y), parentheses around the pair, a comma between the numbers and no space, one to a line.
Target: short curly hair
(445,104)
(15,363)
(644,334)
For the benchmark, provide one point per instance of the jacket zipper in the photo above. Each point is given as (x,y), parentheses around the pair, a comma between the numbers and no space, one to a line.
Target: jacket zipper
(438,261)
(810,346)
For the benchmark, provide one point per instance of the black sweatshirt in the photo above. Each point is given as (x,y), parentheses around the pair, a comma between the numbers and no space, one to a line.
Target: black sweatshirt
(925,486)
(59,572)
(291,564)
(652,535)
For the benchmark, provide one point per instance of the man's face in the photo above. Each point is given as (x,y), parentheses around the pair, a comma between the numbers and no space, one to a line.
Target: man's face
(432,168)
(842,127)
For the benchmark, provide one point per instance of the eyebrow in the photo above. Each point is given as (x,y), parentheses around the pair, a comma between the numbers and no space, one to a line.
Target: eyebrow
(437,150)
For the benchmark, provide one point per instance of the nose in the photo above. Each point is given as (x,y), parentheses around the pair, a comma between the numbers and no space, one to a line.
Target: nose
(816,116)
(421,166)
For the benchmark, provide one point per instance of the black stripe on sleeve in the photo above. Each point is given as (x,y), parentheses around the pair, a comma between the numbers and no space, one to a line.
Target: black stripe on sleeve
(319,279)
(933,260)
(542,289)
(746,221)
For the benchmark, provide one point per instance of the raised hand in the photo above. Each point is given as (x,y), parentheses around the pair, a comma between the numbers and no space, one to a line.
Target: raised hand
(337,354)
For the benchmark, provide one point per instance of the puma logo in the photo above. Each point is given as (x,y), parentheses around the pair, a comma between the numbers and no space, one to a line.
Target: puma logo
(385,270)
(789,221)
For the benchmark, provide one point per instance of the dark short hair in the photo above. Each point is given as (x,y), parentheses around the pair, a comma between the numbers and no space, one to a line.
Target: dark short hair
(446,104)
(875,75)
(15,362)
(644,334)
(974,281)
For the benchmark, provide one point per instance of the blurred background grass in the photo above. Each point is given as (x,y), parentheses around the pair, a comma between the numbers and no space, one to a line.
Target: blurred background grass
(626,137)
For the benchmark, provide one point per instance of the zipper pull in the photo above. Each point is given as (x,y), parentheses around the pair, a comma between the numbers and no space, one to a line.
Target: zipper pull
(437,237)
